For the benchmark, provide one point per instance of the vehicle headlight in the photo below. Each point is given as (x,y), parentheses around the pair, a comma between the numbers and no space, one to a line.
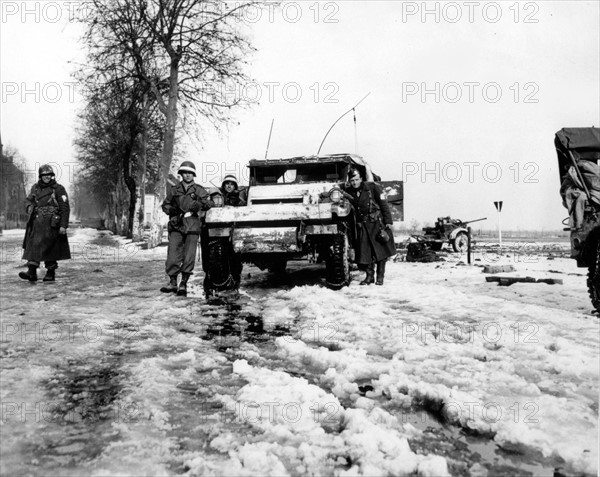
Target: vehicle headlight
(217,199)
(335,195)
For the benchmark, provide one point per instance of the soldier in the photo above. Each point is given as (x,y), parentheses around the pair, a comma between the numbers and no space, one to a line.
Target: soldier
(232,195)
(46,232)
(183,203)
(375,241)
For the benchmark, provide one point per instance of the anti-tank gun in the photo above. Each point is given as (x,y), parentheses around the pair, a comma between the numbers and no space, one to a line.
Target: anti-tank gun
(448,230)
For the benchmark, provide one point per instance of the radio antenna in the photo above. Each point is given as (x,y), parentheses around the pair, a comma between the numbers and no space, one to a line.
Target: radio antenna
(336,121)
(269,140)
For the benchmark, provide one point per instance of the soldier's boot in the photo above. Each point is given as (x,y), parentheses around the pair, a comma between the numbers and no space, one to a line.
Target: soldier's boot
(182,291)
(172,286)
(50,276)
(380,272)
(30,274)
(370,278)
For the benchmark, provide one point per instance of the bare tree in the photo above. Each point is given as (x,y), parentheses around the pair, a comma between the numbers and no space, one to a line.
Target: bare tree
(184,51)
(180,56)
(116,134)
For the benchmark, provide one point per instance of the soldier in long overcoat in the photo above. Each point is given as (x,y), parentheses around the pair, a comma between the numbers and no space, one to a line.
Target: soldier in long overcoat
(183,203)
(373,216)
(46,234)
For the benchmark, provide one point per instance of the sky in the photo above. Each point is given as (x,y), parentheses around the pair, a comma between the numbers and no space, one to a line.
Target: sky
(464,98)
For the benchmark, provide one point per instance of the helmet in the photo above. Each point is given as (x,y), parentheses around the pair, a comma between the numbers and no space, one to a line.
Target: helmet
(187,166)
(45,170)
(230,178)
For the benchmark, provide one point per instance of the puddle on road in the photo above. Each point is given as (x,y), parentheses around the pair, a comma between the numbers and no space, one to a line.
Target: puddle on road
(471,453)
(72,424)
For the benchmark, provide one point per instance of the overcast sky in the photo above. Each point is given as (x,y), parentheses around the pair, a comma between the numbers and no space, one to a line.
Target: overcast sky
(465,97)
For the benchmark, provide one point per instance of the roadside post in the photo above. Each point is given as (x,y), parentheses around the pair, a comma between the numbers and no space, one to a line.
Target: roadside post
(498,205)
(469,245)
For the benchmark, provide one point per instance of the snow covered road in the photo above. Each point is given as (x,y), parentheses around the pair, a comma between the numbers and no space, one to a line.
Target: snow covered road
(437,372)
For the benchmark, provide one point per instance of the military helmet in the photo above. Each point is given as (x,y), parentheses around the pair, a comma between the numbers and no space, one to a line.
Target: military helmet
(45,170)
(230,178)
(187,166)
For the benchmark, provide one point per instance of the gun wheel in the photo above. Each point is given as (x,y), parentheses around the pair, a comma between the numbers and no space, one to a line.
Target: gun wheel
(593,280)
(337,268)
(220,273)
(460,242)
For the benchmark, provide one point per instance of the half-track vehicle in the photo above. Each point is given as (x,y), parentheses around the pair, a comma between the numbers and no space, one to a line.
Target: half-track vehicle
(448,230)
(295,210)
(578,151)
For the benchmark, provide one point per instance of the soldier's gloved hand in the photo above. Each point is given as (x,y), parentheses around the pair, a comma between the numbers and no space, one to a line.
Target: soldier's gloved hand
(195,207)
(62,231)
(174,220)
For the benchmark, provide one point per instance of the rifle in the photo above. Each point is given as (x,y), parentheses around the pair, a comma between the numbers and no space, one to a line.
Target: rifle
(29,225)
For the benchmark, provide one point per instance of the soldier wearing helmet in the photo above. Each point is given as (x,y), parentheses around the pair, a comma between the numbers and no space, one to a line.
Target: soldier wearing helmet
(46,234)
(183,204)
(232,195)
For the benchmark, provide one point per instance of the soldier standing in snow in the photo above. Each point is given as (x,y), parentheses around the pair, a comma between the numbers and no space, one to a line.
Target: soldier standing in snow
(183,203)
(373,217)
(46,232)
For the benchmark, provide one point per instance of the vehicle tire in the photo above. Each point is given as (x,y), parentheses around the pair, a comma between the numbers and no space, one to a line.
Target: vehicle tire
(337,267)
(460,242)
(220,270)
(593,280)
(278,268)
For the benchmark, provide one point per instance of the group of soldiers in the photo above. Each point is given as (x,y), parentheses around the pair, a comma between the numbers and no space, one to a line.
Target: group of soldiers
(48,205)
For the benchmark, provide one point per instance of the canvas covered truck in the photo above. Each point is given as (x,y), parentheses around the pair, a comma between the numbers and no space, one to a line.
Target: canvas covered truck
(295,211)
(578,152)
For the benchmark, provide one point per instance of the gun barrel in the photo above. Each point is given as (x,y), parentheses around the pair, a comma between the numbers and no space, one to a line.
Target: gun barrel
(476,220)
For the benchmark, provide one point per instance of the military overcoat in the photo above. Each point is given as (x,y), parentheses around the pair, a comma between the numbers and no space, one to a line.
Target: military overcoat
(48,206)
(372,212)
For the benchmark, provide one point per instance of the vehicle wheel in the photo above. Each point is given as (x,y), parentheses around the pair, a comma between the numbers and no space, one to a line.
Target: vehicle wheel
(337,268)
(593,281)
(221,273)
(460,242)
(278,267)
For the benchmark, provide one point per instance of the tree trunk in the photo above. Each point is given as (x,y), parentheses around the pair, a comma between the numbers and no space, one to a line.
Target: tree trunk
(170,113)
(130,183)
(140,206)
(166,156)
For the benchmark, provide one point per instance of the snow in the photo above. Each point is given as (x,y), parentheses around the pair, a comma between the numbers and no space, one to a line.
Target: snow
(104,375)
